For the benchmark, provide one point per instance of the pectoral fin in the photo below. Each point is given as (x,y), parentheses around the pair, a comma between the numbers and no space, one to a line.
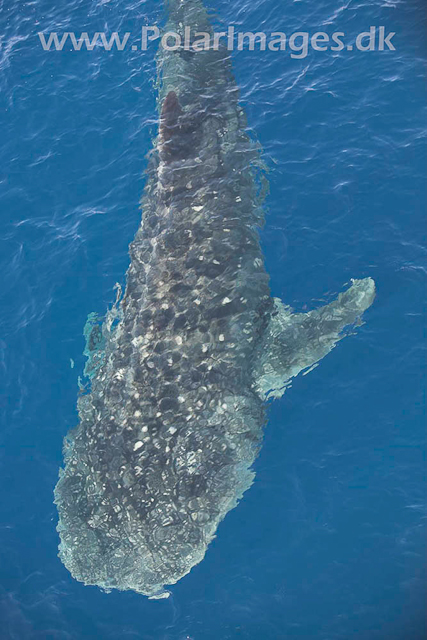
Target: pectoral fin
(294,342)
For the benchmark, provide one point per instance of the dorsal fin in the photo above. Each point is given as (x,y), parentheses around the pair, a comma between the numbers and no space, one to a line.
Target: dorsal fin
(169,117)
(179,130)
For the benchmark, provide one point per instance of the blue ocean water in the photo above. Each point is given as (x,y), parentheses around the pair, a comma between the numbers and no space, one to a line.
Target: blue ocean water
(329,542)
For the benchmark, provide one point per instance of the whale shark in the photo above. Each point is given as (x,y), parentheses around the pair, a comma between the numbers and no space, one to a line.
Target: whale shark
(181,368)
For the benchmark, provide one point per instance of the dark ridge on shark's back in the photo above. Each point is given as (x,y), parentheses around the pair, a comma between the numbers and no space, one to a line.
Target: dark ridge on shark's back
(182,365)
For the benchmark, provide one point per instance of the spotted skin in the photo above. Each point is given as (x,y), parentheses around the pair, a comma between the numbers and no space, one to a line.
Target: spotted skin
(174,418)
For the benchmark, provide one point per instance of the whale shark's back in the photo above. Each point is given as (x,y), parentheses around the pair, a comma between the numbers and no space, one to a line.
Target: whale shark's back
(172,424)
(180,367)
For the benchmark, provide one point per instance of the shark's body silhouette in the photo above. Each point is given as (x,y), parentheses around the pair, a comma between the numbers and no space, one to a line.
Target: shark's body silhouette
(174,419)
